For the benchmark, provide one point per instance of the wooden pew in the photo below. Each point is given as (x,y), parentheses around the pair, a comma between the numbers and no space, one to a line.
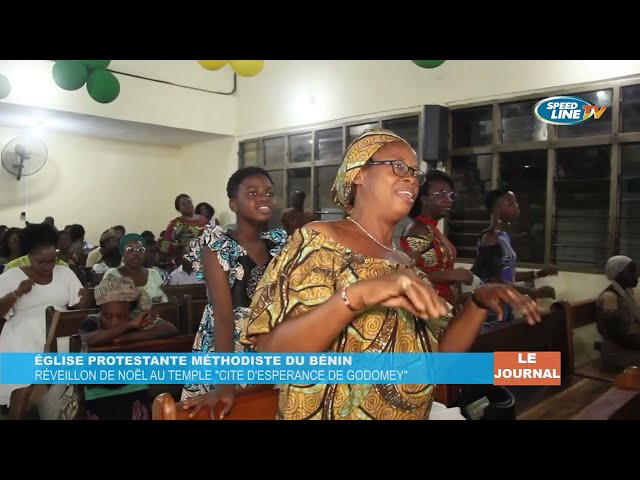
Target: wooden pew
(592,399)
(194,310)
(258,402)
(581,314)
(179,294)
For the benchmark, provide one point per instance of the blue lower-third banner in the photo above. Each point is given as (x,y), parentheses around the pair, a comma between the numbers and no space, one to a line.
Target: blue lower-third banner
(246,368)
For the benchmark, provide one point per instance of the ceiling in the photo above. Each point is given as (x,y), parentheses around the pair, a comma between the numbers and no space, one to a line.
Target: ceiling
(20,116)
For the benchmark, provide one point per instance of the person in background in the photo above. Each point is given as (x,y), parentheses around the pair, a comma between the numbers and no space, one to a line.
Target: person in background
(423,241)
(343,286)
(618,315)
(148,235)
(121,231)
(108,242)
(496,260)
(181,230)
(133,252)
(184,274)
(51,222)
(232,263)
(111,259)
(65,252)
(125,316)
(10,248)
(296,216)
(207,211)
(26,292)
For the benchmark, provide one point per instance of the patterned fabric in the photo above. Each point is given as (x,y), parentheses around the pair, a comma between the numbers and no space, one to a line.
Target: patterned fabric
(310,269)
(435,250)
(244,276)
(181,231)
(359,152)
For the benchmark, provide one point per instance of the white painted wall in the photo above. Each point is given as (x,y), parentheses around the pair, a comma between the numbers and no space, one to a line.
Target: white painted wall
(140,100)
(294,93)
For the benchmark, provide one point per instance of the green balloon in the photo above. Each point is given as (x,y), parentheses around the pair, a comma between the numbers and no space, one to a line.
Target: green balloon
(103,86)
(96,64)
(5,87)
(428,63)
(70,74)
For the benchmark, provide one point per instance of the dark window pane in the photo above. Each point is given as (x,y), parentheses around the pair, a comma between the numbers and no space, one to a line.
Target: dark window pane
(355,131)
(278,182)
(629,219)
(469,217)
(274,151)
(600,126)
(249,154)
(525,174)
(407,128)
(299,179)
(582,206)
(329,144)
(519,124)
(472,127)
(325,177)
(300,147)
(630,97)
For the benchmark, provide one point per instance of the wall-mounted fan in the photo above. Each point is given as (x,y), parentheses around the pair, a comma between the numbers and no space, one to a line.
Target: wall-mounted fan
(24,156)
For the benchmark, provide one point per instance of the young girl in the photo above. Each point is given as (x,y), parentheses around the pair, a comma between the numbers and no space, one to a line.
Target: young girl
(232,263)
(125,316)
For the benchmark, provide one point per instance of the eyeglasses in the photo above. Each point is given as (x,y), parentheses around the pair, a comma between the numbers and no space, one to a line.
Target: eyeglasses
(401,169)
(443,194)
(135,249)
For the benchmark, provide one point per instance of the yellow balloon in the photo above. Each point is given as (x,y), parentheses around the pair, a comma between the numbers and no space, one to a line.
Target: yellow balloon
(212,64)
(247,68)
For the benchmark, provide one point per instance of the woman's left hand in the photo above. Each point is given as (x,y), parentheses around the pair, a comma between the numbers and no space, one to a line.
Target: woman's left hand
(491,295)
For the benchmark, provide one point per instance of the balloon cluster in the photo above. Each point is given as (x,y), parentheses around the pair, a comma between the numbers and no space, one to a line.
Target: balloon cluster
(5,87)
(102,85)
(428,63)
(244,68)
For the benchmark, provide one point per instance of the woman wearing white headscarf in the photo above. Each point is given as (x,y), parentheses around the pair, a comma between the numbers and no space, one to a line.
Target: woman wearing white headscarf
(619,314)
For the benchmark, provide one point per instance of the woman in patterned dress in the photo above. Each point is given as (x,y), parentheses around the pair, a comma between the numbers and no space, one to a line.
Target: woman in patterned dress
(423,241)
(183,229)
(342,286)
(232,263)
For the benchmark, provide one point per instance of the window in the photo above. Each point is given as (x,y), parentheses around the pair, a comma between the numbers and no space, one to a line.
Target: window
(582,189)
(628,241)
(329,144)
(250,154)
(472,127)
(630,98)
(298,179)
(408,128)
(525,174)
(469,216)
(301,147)
(309,160)
(520,125)
(600,126)
(274,152)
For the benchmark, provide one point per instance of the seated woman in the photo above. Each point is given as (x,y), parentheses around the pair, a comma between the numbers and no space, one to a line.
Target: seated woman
(125,317)
(619,315)
(133,252)
(25,294)
(181,230)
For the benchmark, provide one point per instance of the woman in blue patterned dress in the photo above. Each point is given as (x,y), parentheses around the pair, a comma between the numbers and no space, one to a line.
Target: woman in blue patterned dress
(232,263)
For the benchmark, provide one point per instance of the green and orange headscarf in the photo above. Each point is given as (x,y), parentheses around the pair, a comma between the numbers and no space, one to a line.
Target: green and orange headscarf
(357,155)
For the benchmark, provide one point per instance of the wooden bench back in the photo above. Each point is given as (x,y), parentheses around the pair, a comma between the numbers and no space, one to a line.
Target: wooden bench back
(253,403)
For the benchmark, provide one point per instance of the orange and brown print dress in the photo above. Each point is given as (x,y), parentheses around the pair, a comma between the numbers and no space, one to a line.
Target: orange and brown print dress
(434,252)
